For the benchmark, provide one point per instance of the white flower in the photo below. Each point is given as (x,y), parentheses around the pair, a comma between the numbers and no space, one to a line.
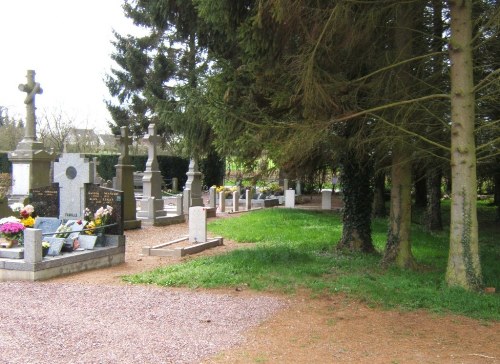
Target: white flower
(9,219)
(16,206)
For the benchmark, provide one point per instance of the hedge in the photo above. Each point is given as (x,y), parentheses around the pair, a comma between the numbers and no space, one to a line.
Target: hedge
(212,167)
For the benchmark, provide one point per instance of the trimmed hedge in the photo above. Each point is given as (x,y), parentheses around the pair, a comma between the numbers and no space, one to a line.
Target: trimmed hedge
(5,164)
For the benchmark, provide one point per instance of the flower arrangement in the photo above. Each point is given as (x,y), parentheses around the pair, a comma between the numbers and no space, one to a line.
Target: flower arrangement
(45,244)
(100,218)
(228,191)
(63,231)
(26,213)
(12,230)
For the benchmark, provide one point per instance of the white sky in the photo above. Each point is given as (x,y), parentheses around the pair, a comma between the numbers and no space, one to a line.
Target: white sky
(67,43)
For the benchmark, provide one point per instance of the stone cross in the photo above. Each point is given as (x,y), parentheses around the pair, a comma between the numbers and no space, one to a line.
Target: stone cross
(124,141)
(152,139)
(32,88)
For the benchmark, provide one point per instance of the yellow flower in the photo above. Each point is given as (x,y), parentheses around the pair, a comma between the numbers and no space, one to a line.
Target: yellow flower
(91,226)
(28,222)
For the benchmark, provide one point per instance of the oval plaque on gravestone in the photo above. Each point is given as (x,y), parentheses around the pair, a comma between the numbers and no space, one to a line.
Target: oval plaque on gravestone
(71,172)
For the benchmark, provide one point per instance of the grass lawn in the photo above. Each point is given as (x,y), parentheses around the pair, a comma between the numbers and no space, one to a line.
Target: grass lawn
(295,249)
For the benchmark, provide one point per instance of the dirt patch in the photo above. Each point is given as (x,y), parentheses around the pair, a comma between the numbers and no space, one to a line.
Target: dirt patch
(331,329)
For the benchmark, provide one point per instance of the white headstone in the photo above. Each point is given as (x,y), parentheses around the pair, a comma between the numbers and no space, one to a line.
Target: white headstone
(236,201)
(290,199)
(298,188)
(222,201)
(212,193)
(186,200)
(72,171)
(248,200)
(197,224)
(326,199)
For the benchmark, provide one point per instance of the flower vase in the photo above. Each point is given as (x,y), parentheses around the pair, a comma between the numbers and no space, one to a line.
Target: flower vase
(9,243)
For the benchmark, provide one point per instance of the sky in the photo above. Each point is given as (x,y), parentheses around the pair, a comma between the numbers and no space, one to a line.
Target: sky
(68,44)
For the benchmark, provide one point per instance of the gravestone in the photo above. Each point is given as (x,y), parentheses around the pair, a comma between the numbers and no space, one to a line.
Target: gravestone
(87,242)
(175,184)
(236,201)
(56,245)
(222,201)
(326,199)
(45,200)
(194,183)
(197,224)
(298,188)
(248,200)
(151,204)
(72,172)
(48,225)
(97,197)
(186,200)
(30,161)
(212,193)
(125,181)
(285,184)
(290,198)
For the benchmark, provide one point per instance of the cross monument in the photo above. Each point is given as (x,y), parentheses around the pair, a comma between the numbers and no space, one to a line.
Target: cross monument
(31,163)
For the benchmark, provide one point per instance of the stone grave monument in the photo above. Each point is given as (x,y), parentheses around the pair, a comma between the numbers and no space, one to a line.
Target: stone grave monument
(236,201)
(212,192)
(290,198)
(193,183)
(72,172)
(197,238)
(125,181)
(222,201)
(151,204)
(326,199)
(30,161)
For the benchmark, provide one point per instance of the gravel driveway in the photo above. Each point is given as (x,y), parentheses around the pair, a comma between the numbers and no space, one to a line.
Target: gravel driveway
(82,323)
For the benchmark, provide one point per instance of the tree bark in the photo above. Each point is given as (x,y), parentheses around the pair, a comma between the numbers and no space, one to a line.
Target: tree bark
(357,195)
(464,268)
(398,247)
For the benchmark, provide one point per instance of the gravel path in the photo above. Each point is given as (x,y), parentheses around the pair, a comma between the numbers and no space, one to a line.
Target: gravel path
(82,323)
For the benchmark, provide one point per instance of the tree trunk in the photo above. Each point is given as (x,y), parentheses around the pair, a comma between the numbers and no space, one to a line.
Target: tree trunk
(356,219)
(433,221)
(464,268)
(379,209)
(398,247)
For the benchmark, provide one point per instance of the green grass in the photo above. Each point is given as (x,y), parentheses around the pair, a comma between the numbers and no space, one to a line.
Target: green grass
(295,249)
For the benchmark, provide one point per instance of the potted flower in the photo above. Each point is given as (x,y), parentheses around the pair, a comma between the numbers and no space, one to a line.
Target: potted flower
(12,230)
(45,248)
